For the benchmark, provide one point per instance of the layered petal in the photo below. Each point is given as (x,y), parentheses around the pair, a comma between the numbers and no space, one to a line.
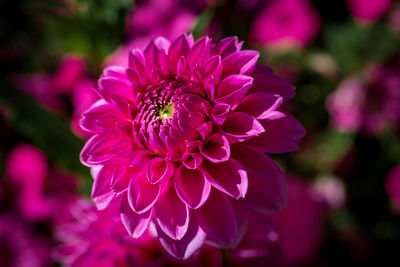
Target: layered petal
(102,194)
(240,62)
(192,187)
(262,106)
(221,221)
(187,245)
(141,193)
(228,177)
(267,191)
(215,148)
(134,223)
(281,135)
(172,215)
(240,126)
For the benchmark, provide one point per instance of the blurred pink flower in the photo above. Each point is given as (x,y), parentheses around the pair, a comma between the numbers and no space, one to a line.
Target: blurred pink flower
(180,135)
(300,225)
(286,22)
(392,185)
(42,193)
(369,105)
(331,191)
(394,19)
(345,104)
(19,246)
(70,80)
(369,10)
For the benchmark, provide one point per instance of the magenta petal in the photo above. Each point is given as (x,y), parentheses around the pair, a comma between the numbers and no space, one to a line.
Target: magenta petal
(205,129)
(141,194)
(159,169)
(227,46)
(267,191)
(115,71)
(179,47)
(217,218)
(137,61)
(89,120)
(134,223)
(187,245)
(151,54)
(261,105)
(219,112)
(140,158)
(111,86)
(172,215)
(191,187)
(102,194)
(232,89)
(199,49)
(122,176)
(98,149)
(215,148)
(191,160)
(212,65)
(281,135)
(240,126)
(266,81)
(229,177)
(242,62)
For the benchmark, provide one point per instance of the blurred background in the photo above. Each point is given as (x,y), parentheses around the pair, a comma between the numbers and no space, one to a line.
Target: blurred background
(344,184)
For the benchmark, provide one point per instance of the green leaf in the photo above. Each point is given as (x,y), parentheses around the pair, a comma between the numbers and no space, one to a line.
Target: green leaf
(44,129)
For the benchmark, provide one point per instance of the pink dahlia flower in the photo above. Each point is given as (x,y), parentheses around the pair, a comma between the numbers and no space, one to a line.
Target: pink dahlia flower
(286,22)
(369,10)
(181,134)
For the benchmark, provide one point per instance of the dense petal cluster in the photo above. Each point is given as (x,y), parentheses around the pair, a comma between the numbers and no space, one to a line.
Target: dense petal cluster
(179,137)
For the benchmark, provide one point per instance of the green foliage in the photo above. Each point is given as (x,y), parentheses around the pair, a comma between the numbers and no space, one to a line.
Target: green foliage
(353,46)
(45,130)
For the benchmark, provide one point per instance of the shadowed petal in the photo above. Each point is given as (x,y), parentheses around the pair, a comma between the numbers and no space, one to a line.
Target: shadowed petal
(281,135)
(240,126)
(232,89)
(218,219)
(102,194)
(134,223)
(229,177)
(262,105)
(242,62)
(266,81)
(141,194)
(216,148)
(159,169)
(187,245)
(172,215)
(191,186)
(267,191)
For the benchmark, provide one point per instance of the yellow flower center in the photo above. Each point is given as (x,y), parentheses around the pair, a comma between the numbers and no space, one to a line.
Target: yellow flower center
(166,112)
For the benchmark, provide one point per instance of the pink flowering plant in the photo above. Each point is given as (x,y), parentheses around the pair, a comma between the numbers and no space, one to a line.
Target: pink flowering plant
(181,135)
(138,133)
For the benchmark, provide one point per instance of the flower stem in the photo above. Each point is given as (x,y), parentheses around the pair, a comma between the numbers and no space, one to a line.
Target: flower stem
(224,253)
